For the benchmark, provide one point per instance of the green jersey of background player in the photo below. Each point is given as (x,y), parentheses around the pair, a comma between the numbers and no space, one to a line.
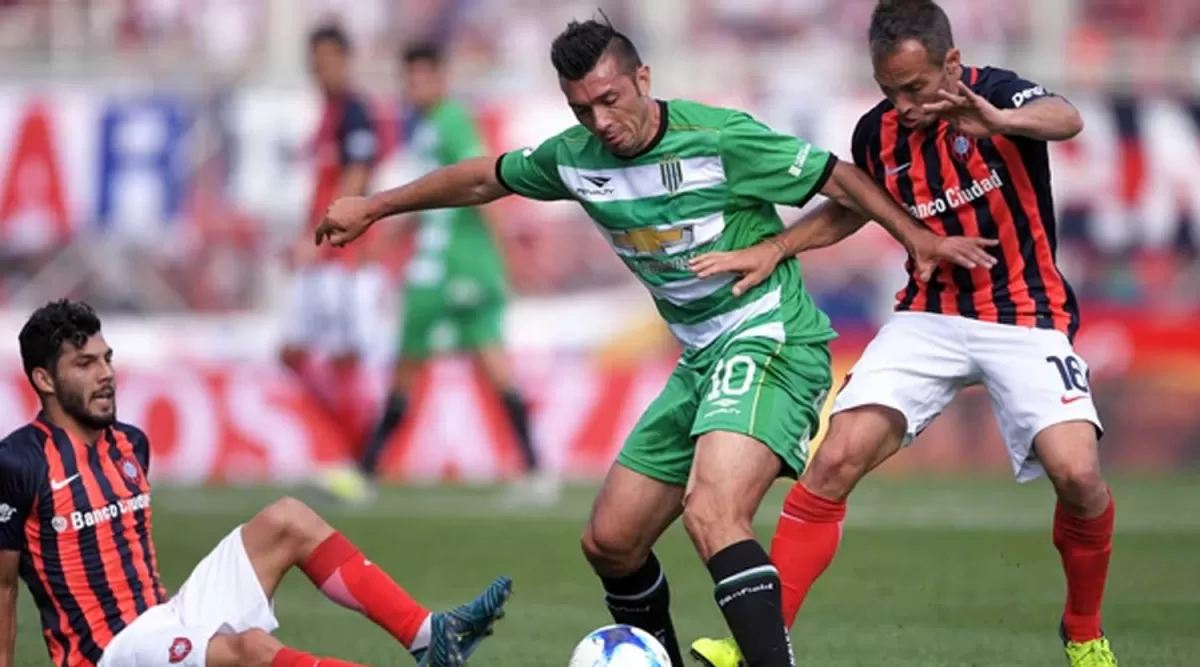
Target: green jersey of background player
(665,181)
(455,287)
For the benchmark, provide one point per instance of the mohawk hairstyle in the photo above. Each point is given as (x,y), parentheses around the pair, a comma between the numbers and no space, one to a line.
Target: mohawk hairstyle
(50,327)
(577,49)
(895,21)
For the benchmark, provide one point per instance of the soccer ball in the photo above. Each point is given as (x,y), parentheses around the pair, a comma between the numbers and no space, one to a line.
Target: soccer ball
(619,646)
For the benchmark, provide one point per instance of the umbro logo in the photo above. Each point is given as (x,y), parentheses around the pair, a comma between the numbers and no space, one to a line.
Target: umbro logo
(598,181)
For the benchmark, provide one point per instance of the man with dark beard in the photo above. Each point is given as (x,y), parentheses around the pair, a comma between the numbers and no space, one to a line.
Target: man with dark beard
(75,524)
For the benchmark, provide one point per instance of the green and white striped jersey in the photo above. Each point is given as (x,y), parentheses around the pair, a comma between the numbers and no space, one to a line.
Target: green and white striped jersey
(708,182)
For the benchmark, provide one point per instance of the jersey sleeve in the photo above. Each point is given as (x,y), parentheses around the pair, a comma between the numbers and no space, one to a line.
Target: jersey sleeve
(533,172)
(1007,90)
(358,142)
(19,481)
(763,165)
(460,138)
(859,144)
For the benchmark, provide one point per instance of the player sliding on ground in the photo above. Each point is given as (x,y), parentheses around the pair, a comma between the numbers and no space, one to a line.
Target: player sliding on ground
(665,181)
(75,525)
(965,147)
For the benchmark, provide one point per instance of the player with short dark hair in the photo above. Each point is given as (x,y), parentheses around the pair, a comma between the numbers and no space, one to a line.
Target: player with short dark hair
(75,526)
(965,150)
(455,288)
(333,295)
(664,181)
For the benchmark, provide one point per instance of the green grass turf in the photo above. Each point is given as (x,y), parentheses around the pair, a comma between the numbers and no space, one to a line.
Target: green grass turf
(931,573)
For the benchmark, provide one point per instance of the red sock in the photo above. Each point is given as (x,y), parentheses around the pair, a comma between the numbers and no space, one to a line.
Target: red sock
(806,538)
(339,569)
(1085,546)
(290,657)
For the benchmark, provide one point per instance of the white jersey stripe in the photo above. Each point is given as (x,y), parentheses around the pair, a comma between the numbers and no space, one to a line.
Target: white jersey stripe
(702,334)
(680,292)
(641,182)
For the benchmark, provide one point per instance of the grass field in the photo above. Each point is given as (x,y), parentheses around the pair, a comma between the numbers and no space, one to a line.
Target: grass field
(931,573)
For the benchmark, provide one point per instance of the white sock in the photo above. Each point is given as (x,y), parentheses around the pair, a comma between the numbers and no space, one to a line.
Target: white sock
(422,639)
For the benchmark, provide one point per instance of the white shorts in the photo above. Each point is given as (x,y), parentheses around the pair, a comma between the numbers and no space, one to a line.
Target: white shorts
(333,308)
(919,361)
(221,596)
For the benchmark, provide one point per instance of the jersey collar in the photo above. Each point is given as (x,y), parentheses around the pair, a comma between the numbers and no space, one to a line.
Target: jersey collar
(658,134)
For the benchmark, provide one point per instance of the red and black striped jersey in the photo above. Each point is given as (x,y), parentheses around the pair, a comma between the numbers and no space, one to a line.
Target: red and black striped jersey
(997,188)
(347,135)
(80,516)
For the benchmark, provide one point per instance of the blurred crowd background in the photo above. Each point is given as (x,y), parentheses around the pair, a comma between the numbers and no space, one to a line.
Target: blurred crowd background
(155,160)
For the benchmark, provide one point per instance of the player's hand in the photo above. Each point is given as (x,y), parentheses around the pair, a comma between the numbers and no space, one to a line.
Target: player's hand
(345,220)
(754,263)
(969,113)
(969,252)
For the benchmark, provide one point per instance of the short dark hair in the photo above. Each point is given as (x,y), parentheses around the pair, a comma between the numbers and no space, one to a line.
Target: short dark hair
(577,49)
(896,21)
(422,52)
(330,32)
(58,322)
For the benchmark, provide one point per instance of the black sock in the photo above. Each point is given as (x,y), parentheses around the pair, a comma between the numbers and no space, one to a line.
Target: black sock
(749,595)
(643,600)
(393,414)
(518,415)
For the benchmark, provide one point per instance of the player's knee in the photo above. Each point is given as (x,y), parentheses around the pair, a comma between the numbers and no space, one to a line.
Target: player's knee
(290,523)
(1080,486)
(836,468)
(613,551)
(253,648)
(711,522)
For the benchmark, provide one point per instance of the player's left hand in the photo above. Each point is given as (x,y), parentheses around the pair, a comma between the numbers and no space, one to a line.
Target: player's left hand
(754,263)
(969,113)
(969,252)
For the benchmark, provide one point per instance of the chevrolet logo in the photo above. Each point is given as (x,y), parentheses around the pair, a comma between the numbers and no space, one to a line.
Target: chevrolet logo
(649,239)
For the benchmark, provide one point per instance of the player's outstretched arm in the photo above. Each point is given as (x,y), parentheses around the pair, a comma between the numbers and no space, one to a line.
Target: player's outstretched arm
(823,226)
(853,188)
(468,183)
(9,564)
(1018,108)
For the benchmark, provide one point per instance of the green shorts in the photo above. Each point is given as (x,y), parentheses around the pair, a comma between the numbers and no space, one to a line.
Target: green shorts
(767,390)
(431,328)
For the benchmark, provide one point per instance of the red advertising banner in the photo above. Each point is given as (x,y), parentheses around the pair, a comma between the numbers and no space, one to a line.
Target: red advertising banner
(237,422)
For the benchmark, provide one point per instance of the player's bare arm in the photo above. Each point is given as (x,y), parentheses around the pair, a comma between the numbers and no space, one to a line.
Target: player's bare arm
(853,188)
(468,183)
(1049,118)
(824,226)
(854,199)
(9,565)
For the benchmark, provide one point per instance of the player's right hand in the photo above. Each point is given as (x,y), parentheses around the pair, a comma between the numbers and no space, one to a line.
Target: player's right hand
(345,220)
(969,252)
(754,263)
